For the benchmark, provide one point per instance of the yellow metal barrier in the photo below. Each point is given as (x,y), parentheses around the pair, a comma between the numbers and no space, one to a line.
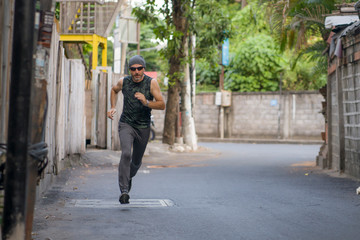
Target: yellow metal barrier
(93,39)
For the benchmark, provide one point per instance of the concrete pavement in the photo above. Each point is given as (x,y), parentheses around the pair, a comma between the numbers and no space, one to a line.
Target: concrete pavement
(97,169)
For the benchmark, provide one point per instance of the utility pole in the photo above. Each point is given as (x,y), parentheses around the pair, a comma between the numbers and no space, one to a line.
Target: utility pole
(6,35)
(279,109)
(221,117)
(38,108)
(19,111)
(138,37)
(28,104)
(224,62)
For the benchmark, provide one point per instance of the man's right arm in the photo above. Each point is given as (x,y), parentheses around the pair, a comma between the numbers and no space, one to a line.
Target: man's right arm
(113,98)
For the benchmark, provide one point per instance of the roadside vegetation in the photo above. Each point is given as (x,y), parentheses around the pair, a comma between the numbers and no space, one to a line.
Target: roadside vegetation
(275,41)
(272,42)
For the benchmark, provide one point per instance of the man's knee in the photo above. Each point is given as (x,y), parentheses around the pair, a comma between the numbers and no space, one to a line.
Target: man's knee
(126,155)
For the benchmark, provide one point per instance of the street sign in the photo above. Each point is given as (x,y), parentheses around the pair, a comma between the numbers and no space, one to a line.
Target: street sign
(273,103)
(225,53)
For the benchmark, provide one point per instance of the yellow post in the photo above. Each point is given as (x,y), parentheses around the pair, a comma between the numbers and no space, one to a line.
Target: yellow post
(104,54)
(95,44)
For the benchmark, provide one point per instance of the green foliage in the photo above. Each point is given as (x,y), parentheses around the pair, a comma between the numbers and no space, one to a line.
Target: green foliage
(207,88)
(241,24)
(250,21)
(305,72)
(255,65)
(257,35)
(110,53)
(57,11)
(207,19)
(300,6)
(275,39)
(207,74)
(212,26)
(87,52)
(303,76)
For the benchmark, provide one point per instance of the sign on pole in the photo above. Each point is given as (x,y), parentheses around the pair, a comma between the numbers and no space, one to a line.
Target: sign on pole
(225,52)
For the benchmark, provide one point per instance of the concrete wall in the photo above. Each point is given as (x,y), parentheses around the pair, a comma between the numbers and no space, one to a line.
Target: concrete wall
(291,115)
(258,115)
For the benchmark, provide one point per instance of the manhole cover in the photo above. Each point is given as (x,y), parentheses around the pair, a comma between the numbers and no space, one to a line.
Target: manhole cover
(102,203)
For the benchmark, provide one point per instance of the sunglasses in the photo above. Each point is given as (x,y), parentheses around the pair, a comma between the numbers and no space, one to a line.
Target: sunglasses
(134,68)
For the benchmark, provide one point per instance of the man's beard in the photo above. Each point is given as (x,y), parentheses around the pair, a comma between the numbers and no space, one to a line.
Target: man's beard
(137,77)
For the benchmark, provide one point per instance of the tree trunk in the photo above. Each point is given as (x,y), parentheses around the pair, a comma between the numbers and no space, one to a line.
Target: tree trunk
(186,112)
(193,73)
(171,107)
(176,65)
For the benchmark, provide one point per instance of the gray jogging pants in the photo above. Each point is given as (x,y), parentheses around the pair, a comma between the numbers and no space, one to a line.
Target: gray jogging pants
(133,143)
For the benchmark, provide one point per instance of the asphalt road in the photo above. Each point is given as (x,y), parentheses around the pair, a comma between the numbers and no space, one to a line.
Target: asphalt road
(224,191)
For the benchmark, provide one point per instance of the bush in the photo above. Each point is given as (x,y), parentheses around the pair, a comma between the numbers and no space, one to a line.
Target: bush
(255,65)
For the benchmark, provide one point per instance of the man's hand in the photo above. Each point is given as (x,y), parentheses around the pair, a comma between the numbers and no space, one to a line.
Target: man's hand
(111,113)
(141,98)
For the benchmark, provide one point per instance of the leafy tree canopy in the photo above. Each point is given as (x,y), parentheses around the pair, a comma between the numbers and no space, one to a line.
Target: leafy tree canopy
(269,40)
(207,19)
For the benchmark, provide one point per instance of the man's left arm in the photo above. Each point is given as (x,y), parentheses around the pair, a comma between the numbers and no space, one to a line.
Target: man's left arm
(156,92)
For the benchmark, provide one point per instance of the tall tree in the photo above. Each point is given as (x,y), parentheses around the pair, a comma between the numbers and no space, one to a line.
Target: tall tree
(179,18)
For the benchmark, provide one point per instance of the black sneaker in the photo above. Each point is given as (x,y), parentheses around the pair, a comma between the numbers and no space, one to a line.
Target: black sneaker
(124,198)
(130,184)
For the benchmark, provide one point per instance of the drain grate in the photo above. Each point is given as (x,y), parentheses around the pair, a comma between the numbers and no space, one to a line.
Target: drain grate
(102,203)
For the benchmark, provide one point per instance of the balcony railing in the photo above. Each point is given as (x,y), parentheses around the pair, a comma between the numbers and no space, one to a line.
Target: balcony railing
(88,17)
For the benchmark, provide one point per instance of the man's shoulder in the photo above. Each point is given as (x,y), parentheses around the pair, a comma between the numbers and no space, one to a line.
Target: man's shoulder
(125,79)
(147,78)
(128,77)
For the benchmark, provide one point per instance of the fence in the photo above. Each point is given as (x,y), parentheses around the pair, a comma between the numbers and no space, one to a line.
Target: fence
(65,130)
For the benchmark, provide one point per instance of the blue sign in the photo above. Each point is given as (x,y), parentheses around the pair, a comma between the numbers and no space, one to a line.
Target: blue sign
(225,53)
(273,102)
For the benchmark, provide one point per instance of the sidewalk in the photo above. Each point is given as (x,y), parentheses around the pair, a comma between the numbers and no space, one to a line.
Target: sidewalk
(157,152)
(262,140)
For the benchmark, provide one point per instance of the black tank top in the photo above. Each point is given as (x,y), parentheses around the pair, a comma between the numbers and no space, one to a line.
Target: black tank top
(134,112)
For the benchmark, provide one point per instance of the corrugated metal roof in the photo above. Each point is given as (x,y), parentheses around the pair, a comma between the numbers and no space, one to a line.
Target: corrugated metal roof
(334,21)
